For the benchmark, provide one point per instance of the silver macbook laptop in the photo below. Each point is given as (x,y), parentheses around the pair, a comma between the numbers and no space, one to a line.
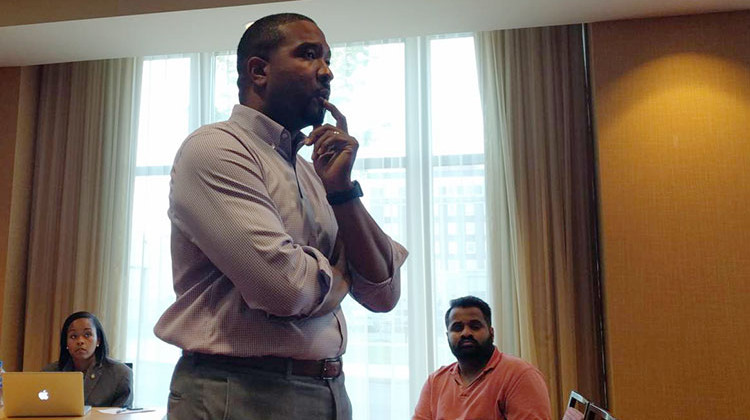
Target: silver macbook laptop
(43,394)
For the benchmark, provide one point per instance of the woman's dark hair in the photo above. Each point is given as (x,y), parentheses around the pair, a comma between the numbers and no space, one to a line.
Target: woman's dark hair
(101,352)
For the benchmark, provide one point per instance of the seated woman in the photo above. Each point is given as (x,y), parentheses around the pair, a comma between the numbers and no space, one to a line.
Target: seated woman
(83,348)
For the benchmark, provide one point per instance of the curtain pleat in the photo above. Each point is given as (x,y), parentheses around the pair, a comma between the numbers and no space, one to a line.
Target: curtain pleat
(80,205)
(540,171)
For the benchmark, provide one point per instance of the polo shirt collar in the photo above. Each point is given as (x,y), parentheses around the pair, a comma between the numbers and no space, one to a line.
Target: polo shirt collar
(491,364)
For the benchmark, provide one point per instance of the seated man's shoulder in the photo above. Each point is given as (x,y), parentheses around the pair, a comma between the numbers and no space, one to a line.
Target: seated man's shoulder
(510,363)
(512,360)
(443,371)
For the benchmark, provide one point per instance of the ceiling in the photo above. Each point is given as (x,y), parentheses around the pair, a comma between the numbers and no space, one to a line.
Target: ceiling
(342,20)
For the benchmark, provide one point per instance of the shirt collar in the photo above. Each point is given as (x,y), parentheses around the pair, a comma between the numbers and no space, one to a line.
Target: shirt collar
(268,130)
(497,355)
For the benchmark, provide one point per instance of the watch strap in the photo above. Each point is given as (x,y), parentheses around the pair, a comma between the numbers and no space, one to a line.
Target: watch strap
(341,197)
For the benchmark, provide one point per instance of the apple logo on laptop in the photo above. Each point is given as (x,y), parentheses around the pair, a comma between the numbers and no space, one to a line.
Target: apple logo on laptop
(43,395)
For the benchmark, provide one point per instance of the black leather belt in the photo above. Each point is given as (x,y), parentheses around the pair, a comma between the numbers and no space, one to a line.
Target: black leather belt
(324,369)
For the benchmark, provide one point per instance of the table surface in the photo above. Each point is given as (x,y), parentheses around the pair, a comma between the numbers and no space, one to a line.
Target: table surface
(94,414)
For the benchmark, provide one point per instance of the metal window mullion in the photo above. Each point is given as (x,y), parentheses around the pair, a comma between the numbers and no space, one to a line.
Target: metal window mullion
(418,343)
(207,77)
(425,158)
(421,354)
(196,95)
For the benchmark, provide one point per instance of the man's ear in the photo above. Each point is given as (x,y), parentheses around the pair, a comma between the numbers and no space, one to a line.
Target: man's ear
(492,334)
(257,71)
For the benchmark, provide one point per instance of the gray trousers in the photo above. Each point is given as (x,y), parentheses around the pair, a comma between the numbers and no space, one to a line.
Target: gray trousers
(210,391)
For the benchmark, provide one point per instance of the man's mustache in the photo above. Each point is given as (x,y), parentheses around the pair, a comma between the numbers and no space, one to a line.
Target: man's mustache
(468,340)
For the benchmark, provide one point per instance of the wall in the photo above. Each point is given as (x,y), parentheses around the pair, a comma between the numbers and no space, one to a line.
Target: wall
(672,115)
(40,11)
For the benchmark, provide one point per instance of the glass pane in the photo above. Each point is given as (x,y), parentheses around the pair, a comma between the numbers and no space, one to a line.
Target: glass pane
(150,291)
(225,86)
(456,119)
(163,120)
(368,88)
(459,242)
(377,356)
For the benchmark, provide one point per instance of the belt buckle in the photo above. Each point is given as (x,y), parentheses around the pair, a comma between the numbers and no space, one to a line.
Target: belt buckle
(325,371)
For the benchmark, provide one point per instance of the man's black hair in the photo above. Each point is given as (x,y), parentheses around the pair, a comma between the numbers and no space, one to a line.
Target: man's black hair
(260,39)
(470,302)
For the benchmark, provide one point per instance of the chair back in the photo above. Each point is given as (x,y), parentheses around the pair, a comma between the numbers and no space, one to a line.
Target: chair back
(576,408)
(593,412)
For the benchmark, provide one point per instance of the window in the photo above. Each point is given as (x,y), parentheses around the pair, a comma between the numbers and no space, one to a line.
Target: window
(414,106)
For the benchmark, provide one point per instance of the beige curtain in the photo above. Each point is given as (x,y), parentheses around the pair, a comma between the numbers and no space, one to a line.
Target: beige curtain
(80,205)
(541,204)
(20,172)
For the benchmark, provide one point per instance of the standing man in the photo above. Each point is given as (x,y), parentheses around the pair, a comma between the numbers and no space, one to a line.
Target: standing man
(484,383)
(266,245)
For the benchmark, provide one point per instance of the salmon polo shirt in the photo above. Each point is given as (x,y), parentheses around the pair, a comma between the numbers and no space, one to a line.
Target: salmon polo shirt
(508,388)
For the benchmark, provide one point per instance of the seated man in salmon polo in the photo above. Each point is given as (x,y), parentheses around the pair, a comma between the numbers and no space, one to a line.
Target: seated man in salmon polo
(484,383)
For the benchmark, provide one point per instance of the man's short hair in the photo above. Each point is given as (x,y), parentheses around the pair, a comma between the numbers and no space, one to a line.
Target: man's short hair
(470,302)
(260,39)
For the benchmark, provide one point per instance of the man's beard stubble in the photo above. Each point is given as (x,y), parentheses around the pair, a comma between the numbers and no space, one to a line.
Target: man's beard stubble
(481,353)
(317,116)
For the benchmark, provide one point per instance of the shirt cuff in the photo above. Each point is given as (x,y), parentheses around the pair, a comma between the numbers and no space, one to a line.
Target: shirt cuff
(380,296)
(325,274)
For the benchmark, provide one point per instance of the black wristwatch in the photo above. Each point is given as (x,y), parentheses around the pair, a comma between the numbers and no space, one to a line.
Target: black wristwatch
(341,197)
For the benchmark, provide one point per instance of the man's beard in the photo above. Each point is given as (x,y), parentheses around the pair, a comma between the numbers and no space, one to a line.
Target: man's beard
(295,111)
(315,113)
(480,353)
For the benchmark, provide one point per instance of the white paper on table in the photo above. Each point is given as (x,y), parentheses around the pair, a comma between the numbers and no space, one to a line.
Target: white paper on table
(117,411)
